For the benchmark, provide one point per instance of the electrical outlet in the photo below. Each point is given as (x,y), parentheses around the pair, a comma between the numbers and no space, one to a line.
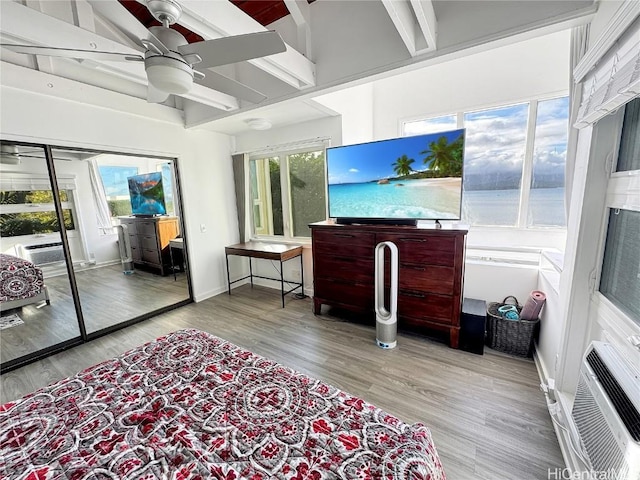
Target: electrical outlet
(203,228)
(296,275)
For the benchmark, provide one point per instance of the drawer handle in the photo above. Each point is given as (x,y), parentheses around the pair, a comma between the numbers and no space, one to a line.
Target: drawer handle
(345,259)
(343,235)
(420,240)
(411,294)
(413,267)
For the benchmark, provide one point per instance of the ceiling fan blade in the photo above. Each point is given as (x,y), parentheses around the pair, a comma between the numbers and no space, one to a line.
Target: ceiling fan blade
(71,53)
(127,23)
(154,95)
(229,86)
(225,50)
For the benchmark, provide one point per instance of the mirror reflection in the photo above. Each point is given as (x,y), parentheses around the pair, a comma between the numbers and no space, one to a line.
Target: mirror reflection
(122,221)
(36,304)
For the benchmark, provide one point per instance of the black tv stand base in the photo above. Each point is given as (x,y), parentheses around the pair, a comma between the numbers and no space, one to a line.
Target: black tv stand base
(376,221)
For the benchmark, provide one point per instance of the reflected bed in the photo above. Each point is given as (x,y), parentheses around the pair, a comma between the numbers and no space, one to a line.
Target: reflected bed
(21,283)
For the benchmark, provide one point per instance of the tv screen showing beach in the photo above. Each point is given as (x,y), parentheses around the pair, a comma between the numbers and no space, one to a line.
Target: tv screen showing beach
(416,177)
(147,194)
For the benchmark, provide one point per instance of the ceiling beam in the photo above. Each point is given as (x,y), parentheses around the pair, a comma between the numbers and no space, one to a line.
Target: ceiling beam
(21,24)
(415,22)
(221,18)
(401,15)
(299,10)
(427,22)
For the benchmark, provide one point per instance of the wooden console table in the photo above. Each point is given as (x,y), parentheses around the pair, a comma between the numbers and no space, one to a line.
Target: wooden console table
(268,251)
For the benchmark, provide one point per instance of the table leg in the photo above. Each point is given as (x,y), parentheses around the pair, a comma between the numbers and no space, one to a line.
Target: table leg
(228,277)
(250,272)
(282,282)
(173,267)
(301,277)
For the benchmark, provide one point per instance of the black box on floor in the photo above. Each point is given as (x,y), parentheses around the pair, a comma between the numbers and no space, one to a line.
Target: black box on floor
(472,325)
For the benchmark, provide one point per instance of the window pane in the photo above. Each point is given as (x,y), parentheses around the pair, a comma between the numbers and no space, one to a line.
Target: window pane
(620,281)
(33,223)
(16,197)
(430,125)
(546,201)
(629,156)
(266,196)
(494,152)
(307,180)
(116,188)
(167,185)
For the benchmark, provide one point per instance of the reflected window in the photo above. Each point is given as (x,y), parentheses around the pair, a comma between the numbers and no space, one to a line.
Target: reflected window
(116,188)
(32,212)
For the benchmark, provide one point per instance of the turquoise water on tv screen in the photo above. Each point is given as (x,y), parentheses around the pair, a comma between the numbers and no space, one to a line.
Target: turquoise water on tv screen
(398,199)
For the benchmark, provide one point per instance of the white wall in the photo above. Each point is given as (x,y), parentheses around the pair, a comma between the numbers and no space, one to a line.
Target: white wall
(204,161)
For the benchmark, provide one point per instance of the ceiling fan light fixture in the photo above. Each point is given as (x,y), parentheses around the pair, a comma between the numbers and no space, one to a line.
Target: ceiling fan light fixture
(258,123)
(169,75)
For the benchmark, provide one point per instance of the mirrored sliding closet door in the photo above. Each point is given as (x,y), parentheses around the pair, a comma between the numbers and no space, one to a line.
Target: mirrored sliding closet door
(36,301)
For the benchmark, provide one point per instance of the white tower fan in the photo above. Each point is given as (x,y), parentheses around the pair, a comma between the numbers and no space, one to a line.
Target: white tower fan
(124,245)
(386,320)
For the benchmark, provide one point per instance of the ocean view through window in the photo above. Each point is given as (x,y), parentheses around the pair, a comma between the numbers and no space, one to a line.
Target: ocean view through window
(496,157)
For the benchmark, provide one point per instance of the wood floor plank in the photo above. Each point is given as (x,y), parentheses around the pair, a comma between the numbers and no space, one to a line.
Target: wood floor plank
(487,415)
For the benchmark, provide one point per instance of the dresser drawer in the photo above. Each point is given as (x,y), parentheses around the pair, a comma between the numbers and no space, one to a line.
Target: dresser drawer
(147,227)
(425,306)
(335,236)
(430,278)
(346,293)
(135,252)
(131,226)
(148,242)
(348,268)
(432,250)
(151,256)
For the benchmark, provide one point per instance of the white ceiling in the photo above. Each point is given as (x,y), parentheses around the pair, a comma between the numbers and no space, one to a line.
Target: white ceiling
(331,43)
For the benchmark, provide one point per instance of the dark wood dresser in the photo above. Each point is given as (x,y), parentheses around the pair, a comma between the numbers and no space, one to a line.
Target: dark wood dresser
(150,240)
(430,277)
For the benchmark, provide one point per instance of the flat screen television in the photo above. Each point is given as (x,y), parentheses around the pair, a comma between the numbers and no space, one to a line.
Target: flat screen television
(147,195)
(397,181)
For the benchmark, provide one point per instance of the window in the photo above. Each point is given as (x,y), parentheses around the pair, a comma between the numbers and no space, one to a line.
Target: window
(546,197)
(494,151)
(287,191)
(116,188)
(620,277)
(32,212)
(506,183)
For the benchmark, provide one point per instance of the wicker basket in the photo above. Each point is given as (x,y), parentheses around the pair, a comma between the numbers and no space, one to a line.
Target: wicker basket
(514,337)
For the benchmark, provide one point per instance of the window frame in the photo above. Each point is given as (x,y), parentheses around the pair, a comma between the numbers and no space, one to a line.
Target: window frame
(617,326)
(38,182)
(282,154)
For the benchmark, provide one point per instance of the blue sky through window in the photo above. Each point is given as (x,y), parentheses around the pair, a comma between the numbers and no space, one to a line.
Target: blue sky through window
(114,179)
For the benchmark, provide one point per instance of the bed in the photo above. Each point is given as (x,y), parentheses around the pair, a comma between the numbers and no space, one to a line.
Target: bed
(21,283)
(191,405)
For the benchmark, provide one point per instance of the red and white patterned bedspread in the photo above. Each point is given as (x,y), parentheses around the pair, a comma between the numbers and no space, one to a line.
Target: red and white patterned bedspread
(19,278)
(190,405)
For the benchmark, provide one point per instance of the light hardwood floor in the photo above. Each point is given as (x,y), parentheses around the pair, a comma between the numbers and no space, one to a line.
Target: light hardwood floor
(487,414)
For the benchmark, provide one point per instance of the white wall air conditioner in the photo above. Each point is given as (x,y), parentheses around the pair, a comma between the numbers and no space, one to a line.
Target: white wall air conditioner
(606,412)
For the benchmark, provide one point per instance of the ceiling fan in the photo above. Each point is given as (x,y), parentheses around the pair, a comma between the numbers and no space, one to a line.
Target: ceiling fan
(169,59)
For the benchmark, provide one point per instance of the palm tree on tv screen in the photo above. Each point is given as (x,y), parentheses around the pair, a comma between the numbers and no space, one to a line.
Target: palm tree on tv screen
(402,165)
(445,157)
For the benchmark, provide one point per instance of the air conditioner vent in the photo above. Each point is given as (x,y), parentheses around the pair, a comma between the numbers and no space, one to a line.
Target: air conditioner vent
(621,402)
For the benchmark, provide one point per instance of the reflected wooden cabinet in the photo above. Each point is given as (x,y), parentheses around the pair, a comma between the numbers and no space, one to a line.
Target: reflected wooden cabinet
(150,240)
(431,265)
